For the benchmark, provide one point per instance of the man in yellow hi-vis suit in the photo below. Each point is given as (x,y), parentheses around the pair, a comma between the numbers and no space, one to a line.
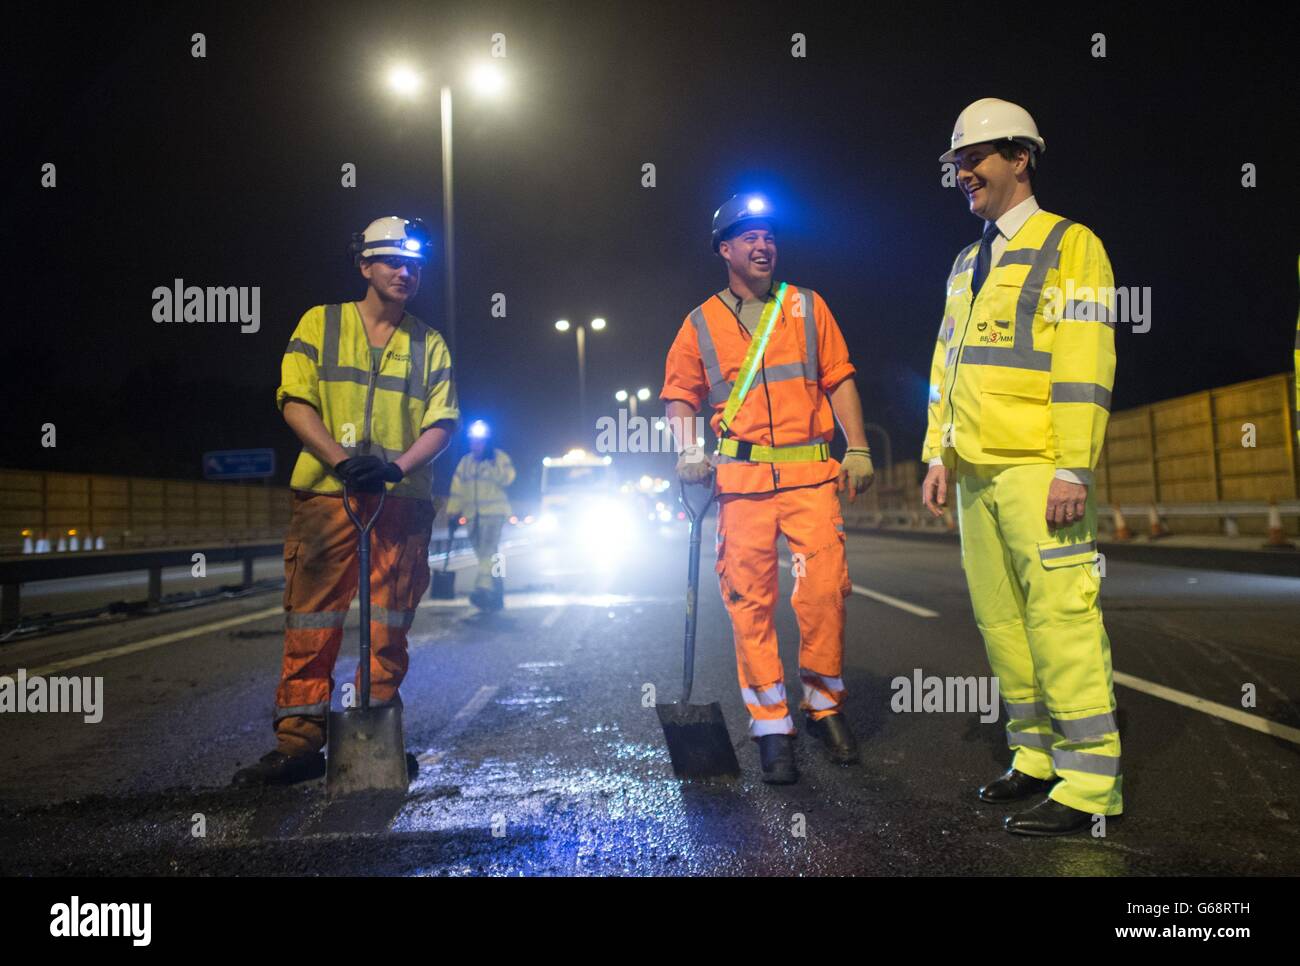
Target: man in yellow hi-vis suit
(1020,392)
(478,493)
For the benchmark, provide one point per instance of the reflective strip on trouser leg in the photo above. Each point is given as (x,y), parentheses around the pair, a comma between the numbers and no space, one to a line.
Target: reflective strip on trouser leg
(998,603)
(1068,641)
(747,580)
(487,537)
(768,711)
(809,516)
(399,575)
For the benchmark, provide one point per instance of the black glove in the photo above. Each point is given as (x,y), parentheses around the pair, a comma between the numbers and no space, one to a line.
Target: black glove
(362,474)
(393,473)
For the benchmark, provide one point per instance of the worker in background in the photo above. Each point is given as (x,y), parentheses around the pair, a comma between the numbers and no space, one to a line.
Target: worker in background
(478,494)
(367,387)
(772,413)
(1020,389)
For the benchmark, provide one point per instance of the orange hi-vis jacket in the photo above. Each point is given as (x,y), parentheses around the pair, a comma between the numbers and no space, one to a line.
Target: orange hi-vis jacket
(787,405)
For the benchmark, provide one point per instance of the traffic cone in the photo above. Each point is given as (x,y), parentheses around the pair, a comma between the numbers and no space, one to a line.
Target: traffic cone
(1158,529)
(1122,532)
(99,543)
(1276,535)
(63,544)
(28,546)
(43,543)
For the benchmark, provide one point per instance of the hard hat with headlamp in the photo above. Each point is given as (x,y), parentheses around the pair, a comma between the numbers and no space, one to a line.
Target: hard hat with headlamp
(407,238)
(737,210)
(479,430)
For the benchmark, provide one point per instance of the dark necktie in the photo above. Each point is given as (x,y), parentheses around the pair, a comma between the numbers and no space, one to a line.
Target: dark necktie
(984,258)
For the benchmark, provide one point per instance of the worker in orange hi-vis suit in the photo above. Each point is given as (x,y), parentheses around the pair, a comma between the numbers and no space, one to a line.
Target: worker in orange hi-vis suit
(771,361)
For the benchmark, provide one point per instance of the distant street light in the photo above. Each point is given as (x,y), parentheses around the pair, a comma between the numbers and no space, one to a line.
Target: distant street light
(598,324)
(631,398)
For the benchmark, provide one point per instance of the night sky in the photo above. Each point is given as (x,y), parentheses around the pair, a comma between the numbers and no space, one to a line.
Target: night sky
(226,171)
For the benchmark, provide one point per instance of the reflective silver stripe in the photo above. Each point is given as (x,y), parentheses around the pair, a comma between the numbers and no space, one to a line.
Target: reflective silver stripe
(1031,709)
(303,619)
(1022,354)
(333,333)
(787,370)
(1094,726)
(303,710)
(1084,392)
(708,354)
(1018,256)
(1077,311)
(1082,761)
(1031,740)
(439,376)
(964,262)
(777,726)
(344,374)
(306,348)
(812,372)
(415,375)
(949,359)
(764,697)
(1072,550)
(391,383)
(393,618)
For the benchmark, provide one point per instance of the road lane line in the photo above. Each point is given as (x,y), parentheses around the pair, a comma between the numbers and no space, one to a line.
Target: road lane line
(554,615)
(460,722)
(876,595)
(1224,711)
(894,602)
(148,643)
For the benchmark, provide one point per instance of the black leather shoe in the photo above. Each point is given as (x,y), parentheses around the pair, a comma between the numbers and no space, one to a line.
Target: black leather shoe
(412,766)
(1013,786)
(275,768)
(1048,817)
(833,732)
(776,753)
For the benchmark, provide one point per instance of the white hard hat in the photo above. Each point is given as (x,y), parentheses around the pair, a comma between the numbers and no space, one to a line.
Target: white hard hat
(991,119)
(392,236)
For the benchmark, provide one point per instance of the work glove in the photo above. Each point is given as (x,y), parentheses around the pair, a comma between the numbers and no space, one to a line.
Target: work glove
(694,465)
(856,472)
(362,474)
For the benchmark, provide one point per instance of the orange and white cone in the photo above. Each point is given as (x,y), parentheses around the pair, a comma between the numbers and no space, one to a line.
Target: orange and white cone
(1122,532)
(1158,528)
(1276,535)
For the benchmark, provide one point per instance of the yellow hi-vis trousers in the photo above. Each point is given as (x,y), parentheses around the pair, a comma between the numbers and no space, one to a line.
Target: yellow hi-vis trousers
(1034,593)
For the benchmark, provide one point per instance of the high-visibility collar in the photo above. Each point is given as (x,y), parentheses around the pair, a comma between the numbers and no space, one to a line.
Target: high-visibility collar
(757,345)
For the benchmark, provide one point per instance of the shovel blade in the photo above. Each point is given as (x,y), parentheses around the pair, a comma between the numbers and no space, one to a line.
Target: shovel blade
(367,752)
(698,742)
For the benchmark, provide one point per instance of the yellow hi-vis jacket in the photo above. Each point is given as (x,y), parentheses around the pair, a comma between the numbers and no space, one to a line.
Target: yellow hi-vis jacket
(1023,374)
(478,486)
(328,365)
(1295,416)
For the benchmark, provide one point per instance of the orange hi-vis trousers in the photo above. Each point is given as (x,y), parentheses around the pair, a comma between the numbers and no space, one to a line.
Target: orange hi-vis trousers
(748,527)
(320,579)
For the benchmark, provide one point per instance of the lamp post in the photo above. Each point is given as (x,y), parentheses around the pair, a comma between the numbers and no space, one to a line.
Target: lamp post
(631,398)
(406,82)
(597,324)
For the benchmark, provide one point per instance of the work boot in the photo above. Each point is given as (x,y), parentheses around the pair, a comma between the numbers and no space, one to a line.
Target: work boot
(833,732)
(1013,786)
(1048,817)
(776,754)
(277,768)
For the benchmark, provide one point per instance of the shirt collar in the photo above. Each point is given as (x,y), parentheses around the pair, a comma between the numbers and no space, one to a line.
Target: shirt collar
(1012,221)
(734,301)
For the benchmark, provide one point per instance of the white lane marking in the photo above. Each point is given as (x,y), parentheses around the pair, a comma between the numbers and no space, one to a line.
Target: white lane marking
(460,722)
(894,602)
(554,615)
(876,595)
(152,642)
(1224,711)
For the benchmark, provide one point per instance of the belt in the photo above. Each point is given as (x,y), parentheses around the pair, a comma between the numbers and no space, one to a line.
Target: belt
(753,453)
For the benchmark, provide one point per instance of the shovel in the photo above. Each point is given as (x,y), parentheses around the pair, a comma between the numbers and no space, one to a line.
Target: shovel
(366,749)
(444,580)
(697,737)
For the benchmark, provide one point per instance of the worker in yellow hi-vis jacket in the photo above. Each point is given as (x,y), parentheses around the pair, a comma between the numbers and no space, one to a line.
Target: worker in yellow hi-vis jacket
(1020,394)
(478,494)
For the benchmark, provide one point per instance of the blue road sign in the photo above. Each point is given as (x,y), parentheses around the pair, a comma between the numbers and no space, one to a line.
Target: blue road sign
(239,464)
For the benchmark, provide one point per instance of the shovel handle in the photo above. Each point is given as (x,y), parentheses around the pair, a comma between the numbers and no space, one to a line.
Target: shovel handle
(692,586)
(363,563)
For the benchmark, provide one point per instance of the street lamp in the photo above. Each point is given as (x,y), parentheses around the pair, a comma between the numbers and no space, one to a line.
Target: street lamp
(598,324)
(405,81)
(631,398)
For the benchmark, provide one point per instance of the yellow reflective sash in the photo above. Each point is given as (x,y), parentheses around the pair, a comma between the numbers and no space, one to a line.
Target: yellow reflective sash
(757,345)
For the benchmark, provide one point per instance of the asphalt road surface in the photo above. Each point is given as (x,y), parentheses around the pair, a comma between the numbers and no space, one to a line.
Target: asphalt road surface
(541,752)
